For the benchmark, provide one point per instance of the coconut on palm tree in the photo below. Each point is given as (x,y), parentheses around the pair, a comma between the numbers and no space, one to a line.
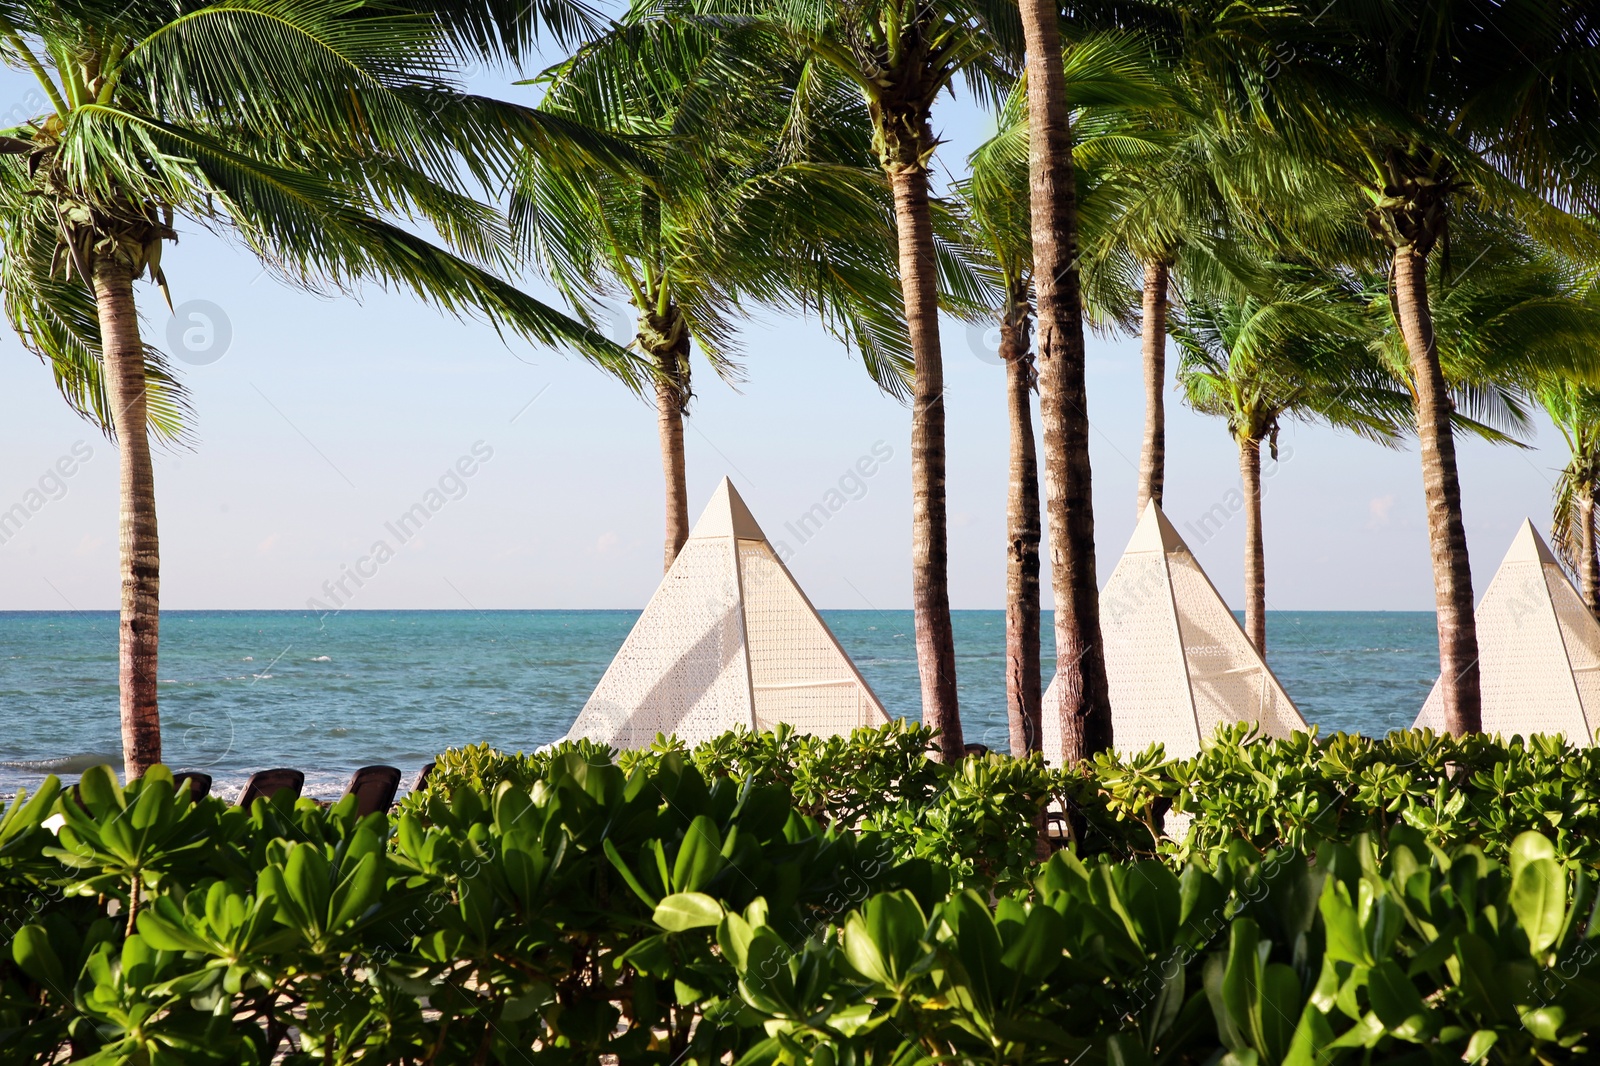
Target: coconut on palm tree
(319,135)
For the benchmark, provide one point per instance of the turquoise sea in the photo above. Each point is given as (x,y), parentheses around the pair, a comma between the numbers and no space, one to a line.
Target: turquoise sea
(243,690)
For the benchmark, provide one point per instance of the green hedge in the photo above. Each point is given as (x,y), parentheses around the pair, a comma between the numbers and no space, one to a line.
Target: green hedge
(753,902)
(1305,790)
(1295,793)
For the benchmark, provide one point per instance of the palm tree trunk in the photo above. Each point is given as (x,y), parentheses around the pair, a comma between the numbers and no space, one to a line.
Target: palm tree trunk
(140,628)
(930,579)
(1589,563)
(1063,409)
(1153,346)
(1255,556)
(669,427)
(1441,486)
(1023,682)
(666,338)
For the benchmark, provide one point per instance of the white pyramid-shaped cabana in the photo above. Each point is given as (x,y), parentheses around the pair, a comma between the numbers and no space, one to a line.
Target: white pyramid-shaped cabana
(727,640)
(1538,650)
(1177,663)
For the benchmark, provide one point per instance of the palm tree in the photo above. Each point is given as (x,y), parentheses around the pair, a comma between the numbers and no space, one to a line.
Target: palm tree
(1515,316)
(1254,363)
(315,133)
(1000,227)
(1425,107)
(1166,205)
(756,190)
(1063,397)
(900,56)
(1575,409)
(1518,326)
(1183,208)
(1107,80)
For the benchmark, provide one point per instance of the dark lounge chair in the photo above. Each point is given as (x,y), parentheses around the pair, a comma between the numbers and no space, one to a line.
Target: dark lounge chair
(374,788)
(422,778)
(264,784)
(199,784)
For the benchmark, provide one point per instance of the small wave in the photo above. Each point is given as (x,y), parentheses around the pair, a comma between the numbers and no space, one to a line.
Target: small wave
(66,764)
(261,677)
(322,659)
(248,659)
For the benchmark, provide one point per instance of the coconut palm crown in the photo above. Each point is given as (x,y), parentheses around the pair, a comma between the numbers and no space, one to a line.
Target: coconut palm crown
(760,191)
(1303,354)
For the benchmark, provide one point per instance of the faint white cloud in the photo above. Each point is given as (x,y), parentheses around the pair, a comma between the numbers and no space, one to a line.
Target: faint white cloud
(1378,509)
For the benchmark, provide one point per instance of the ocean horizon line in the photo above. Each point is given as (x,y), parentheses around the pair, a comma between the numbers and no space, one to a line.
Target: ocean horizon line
(113,612)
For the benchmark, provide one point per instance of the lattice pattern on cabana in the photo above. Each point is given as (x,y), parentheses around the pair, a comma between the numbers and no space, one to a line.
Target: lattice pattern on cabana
(1538,650)
(727,640)
(1177,663)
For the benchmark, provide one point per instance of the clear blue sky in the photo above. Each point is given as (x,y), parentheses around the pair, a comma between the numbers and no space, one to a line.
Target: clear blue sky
(327,418)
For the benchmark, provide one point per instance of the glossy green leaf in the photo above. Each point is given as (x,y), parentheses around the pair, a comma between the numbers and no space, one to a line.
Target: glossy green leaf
(1040,944)
(1343,928)
(1312,1039)
(1539,898)
(163,927)
(1478,1047)
(1396,1001)
(1529,847)
(699,856)
(687,910)
(33,952)
(1282,1005)
(1545,1023)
